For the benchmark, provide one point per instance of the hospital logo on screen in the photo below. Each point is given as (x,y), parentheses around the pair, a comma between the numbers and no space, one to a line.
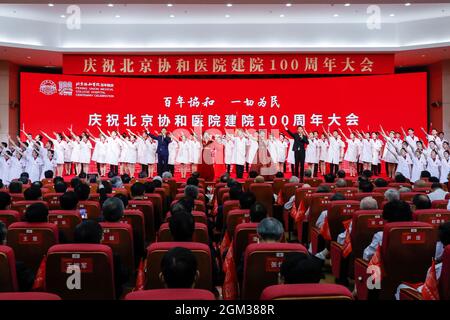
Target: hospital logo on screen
(47,87)
(65,88)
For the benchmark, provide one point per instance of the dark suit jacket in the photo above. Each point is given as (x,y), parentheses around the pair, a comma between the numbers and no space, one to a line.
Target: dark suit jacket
(163,144)
(299,142)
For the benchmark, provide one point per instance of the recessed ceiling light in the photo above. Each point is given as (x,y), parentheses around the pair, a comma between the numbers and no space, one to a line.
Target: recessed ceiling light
(335,15)
(227,16)
(281,15)
(51,5)
(110,5)
(62,16)
(288,4)
(117,16)
(229,4)
(172,16)
(407,4)
(347,5)
(170,5)
(392,15)
(423,56)
(28,57)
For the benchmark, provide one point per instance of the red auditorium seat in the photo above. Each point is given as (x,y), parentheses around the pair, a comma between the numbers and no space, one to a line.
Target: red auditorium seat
(135,218)
(173,187)
(200,233)
(348,192)
(97,271)
(236,217)
(406,252)
(52,200)
(162,192)
(408,196)
(66,221)
(304,194)
(443,285)
(146,207)
(278,184)
(433,216)
(227,207)
(319,203)
(123,191)
(27,296)
(21,206)
(199,205)
(92,208)
(422,190)
(377,196)
(365,223)
(9,216)
(156,251)
(15,197)
(399,185)
(262,264)
(313,182)
(156,199)
(247,183)
(119,237)
(316,291)
(339,211)
(8,277)
(179,196)
(264,194)
(94,197)
(171,294)
(289,189)
(381,190)
(220,194)
(31,241)
(244,234)
(439,204)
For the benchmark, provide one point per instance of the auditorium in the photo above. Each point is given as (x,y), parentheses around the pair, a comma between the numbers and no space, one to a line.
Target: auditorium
(225,155)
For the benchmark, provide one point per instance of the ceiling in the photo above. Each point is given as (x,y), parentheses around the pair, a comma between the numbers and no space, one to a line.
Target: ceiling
(38,34)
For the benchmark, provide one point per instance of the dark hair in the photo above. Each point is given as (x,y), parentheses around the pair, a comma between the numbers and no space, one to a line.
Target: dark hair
(15,187)
(82,190)
(137,189)
(341,174)
(329,178)
(323,189)
(435,185)
(337,196)
(400,178)
(58,179)
(279,174)
(365,186)
(182,226)
(444,233)
(60,187)
(179,268)
(37,184)
(122,197)
(235,192)
(32,193)
(157,183)
(5,200)
(185,204)
(36,212)
(48,174)
(68,201)
(75,182)
(252,174)
(125,178)
(257,212)
(191,191)
(421,201)
(112,209)
(299,267)
(3,232)
(380,183)
(246,200)
(192,181)
(149,187)
(82,175)
(397,211)
(425,174)
(88,231)
(367,174)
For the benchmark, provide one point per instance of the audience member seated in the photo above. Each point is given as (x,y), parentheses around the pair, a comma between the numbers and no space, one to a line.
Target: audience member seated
(15,187)
(74,182)
(437,193)
(341,183)
(329,178)
(68,201)
(182,226)
(60,187)
(391,195)
(5,201)
(191,192)
(112,210)
(82,191)
(246,200)
(137,191)
(340,174)
(252,174)
(421,201)
(259,179)
(192,181)
(258,212)
(365,186)
(179,269)
(32,194)
(380,183)
(400,178)
(298,267)
(425,175)
(36,213)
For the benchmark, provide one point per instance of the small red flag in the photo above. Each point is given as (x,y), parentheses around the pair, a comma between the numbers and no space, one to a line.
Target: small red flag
(140,278)
(325,230)
(280,198)
(230,288)
(430,290)
(348,241)
(39,280)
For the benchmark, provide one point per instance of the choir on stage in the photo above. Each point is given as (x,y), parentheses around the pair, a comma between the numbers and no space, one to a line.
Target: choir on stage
(145,154)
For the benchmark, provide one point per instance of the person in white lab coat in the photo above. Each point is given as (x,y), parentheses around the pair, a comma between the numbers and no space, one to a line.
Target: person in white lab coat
(323,154)
(334,151)
(282,147)
(351,154)
(240,144)
(377,145)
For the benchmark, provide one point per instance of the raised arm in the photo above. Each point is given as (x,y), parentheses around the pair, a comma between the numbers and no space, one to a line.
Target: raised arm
(343,134)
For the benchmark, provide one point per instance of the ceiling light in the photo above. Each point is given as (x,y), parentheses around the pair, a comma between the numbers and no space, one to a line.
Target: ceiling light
(170,5)
(117,16)
(172,16)
(62,16)
(28,57)
(227,16)
(347,5)
(392,15)
(281,15)
(229,4)
(110,5)
(288,4)
(407,4)
(335,15)
(51,5)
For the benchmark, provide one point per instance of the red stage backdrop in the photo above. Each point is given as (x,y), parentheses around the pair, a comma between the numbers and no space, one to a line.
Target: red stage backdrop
(54,102)
(220,64)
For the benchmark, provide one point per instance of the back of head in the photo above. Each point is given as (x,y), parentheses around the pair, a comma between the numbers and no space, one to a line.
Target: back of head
(270,230)
(182,226)
(368,203)
(341,183)
(112,210)
(60,187)
(400,178)
(37,212)
(279,174)
(15,187)
(435,186)
(157,183)
(391,194)
(298,267)
(365,186)
(380,183)
(88,231)
(367,174)
(397,211)
(444,233)
(48,174)
(294,179)
(32,194)
(179,268)
(5,201)
(425,174)
(137,189)
(149,187)
(184,204)
(192,181)
(341,174)
(421,201)
(166,175)
(191,191)
(68,201)
(329,178)
(83,191)
(3,232)
(116,182)
(246,200)
(337,197)
(125,178)
(257,212)
(420,184)
(122,198)
(235,192)
(259,179)
(252,174)
(323,189)
(75,182)
(308,173)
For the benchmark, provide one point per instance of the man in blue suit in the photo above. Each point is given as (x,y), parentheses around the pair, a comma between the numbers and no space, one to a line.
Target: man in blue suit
(162,150)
